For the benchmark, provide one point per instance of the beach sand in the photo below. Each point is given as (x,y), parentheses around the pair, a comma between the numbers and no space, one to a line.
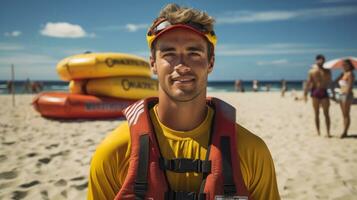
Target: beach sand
(49,159)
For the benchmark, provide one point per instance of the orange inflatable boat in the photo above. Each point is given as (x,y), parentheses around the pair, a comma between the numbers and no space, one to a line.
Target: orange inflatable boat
(74,106)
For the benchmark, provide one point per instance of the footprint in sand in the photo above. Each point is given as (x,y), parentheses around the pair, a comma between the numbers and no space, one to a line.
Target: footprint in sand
(82,186)
(30,184)
(8,175)
(2,158)
(44,160)
(64,193)
(31,155)
(79,178)
(52,146)
(90,141)
(19,195)
(44,195)
(61,153)
(8,143)
(61,182)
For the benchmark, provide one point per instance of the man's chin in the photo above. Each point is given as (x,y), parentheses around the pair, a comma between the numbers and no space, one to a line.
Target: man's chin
(184,95)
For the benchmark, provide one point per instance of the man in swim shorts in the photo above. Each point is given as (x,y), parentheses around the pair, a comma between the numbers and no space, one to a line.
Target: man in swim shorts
(318,80)
(182,145)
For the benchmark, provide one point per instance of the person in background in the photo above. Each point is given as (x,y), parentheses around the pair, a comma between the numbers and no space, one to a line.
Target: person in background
(345,82)
(284,88)
(268,86)
(10,86)
(318,80)
(238,85)
(27,86)
(36,87)
(255,86)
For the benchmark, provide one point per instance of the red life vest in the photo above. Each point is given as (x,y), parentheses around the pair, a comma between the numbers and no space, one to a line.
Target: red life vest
(146,179)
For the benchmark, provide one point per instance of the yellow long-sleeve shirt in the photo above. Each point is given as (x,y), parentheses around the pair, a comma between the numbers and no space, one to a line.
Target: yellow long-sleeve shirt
(110,162)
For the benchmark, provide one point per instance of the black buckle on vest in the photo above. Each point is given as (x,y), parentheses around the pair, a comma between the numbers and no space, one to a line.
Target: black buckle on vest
(229,189)
(173,195)
(182,165)
(140,189)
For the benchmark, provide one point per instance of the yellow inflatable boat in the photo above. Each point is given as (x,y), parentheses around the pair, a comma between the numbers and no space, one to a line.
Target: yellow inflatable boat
(98,65)
(120,87)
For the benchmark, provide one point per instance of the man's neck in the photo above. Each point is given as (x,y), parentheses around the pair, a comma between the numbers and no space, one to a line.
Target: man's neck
(182,116)
(320,66)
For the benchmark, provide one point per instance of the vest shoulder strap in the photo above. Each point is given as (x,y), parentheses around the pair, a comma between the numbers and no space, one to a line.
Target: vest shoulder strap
(229,187)
(141,180)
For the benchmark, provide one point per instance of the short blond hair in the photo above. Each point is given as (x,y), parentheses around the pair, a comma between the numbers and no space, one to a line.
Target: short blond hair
(176,14)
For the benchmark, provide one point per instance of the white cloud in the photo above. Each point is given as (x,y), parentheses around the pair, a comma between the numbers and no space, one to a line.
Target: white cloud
(135,27)
(268,16)
(13,34)
(275,49)
(128,27)
(248,17)
(273,62)
(64,30)
(10,47)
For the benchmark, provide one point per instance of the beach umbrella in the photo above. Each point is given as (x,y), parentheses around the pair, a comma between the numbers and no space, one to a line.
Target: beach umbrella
(338,63)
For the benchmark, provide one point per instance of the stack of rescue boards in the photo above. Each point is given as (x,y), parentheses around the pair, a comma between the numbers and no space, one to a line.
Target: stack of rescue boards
(101,85)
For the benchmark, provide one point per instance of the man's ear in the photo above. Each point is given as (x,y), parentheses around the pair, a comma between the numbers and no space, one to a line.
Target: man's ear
(153,65)
(211,64)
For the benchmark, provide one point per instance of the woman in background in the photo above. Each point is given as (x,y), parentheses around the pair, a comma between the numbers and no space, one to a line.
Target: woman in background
(345,81)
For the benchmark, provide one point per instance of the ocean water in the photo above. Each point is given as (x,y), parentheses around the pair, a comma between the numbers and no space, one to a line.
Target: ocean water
(213,86)
(47,86)
(274,86)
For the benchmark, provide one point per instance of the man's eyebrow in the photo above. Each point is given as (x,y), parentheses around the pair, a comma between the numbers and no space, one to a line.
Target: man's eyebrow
(166,49)
(196,48)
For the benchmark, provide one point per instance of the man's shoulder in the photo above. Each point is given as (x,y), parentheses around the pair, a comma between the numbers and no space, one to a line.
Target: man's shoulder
(313,70)
(117,140)
(249,142)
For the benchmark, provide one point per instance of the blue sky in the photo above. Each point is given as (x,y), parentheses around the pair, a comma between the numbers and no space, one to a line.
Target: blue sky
(257,39)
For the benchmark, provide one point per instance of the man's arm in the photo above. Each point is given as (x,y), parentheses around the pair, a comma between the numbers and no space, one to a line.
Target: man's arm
(308,85)
(332,85)
(109,165)
(257,166)
(264,183)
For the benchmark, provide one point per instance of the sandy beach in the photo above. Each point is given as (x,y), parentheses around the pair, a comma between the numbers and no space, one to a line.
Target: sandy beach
(49,159)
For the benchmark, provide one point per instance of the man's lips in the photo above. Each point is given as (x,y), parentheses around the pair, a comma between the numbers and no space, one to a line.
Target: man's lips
(183,79)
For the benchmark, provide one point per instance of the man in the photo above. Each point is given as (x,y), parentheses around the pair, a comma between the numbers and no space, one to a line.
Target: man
(182,145)
(318,80)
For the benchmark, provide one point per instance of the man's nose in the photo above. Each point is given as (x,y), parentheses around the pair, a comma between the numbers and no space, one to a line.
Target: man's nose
(182,68)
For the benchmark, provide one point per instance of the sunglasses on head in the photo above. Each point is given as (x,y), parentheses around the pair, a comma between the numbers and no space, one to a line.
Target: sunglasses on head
(163,24)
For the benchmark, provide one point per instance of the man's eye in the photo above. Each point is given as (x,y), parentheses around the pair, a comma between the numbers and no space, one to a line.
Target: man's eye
(168,55)
(194,54)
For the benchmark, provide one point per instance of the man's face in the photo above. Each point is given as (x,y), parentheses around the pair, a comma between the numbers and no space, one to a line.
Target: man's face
(320,62)
(181,64)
